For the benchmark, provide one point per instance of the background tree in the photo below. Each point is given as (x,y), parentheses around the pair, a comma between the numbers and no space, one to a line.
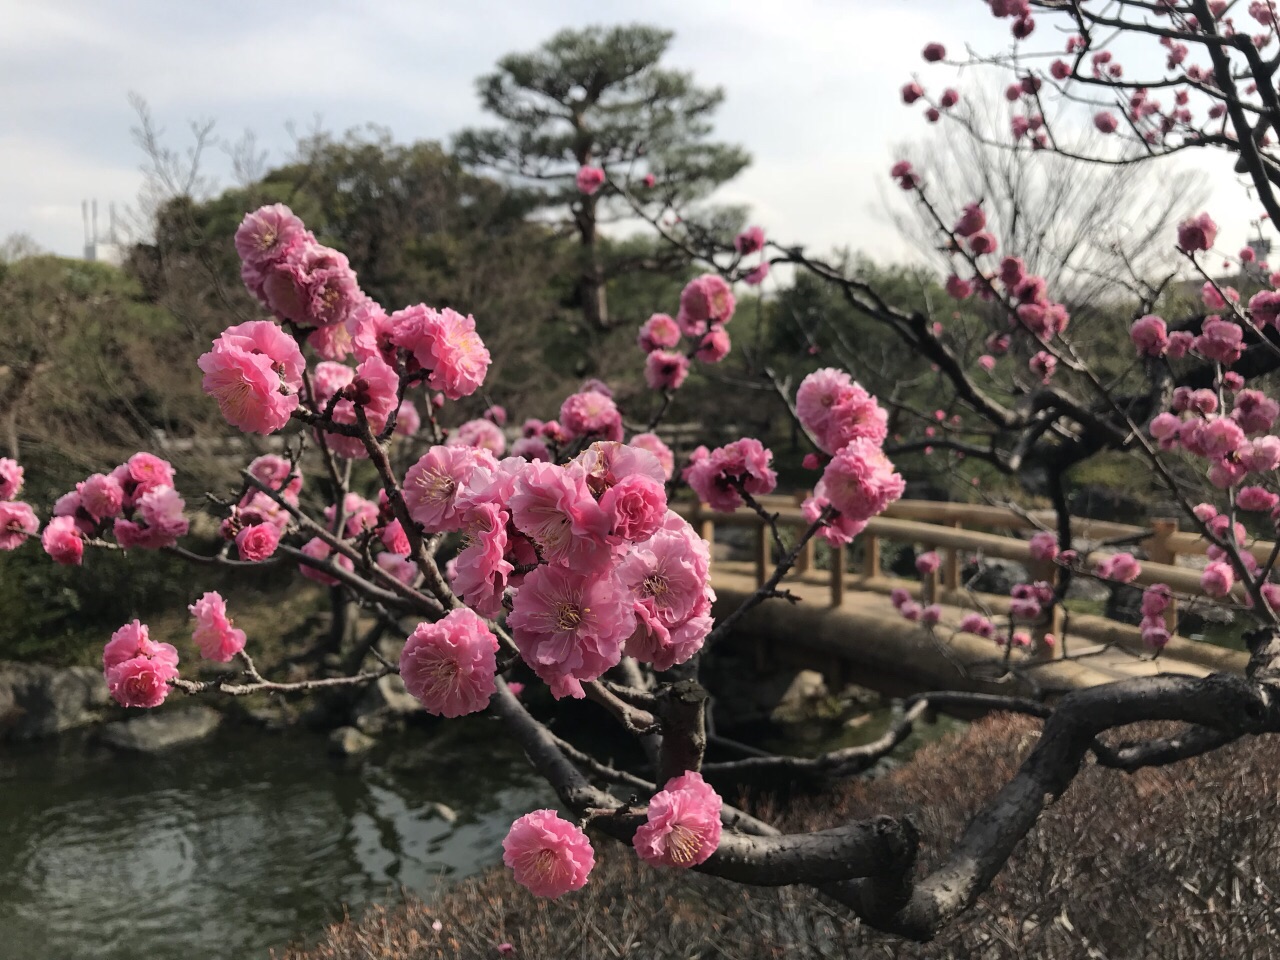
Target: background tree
(600,97)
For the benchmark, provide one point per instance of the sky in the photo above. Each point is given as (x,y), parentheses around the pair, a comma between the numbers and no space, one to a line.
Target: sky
(812,91)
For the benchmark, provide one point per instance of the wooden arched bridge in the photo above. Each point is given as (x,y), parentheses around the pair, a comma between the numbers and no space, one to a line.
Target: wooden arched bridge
(844,624)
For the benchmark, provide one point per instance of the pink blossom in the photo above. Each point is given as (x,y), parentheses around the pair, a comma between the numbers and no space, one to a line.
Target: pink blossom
(1260,455)
(446,343)
(555,509)
(911,92)
(531,448)
(278,474)
(1256,498)
(1043,546)
(905,175)
(482,572)
(1043,365)
(570,626)
(10,478)
(669,573)
(591,414)
(433,484)
(837,410)
(370,330)
(1255,411)
(17,522)
(403,569)
(958,288)
(928,563)
(971,221)
(257,542)
(665,370)
(266,235)
(449,665)
(658,332)
(101,495)
(158,521)
(1121,567)
(636,506)
(1217,579)
(1156,599)
(682,825)
(978,624)
(983,243)
(714,346)
(1264,307)
(548,855)
(137,669)
(1198,233)
(408,420)
(589,180)
(755,276)
(1105,121)
(361,515)
(749,241)
(62,541)
(254,372)
(860,481)
(606,462)
(653,443)
(745,461)
(395,539)
(1220,340)
(1164,426)
(1150,336)
(704,300)
(215,633)
(317,549)
(483,434)
(331,342)
(1155,634)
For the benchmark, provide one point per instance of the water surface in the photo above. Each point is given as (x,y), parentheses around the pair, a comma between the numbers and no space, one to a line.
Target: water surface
(246,841)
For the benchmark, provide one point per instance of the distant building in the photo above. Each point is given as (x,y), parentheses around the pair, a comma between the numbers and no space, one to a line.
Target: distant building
(99,249)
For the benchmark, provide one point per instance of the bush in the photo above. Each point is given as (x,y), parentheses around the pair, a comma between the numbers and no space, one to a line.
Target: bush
(1149,865)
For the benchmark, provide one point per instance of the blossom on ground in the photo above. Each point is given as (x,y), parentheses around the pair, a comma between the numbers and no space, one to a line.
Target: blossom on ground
(548,855)
(449,665)
(682,824)
(215,633)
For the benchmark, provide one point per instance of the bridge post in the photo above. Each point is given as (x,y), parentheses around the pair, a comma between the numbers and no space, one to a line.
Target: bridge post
(1160,550)
(837,576)
(705,526)
(951,563)
(764,554)
(871,558)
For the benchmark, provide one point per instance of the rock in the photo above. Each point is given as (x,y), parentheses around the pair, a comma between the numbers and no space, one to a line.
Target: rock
(1124,604)
(995,576)
(443,811)
(1087,588)
(38,701)
(163,730)
(384,704)
(807,691)
(348,742)
(1107,503)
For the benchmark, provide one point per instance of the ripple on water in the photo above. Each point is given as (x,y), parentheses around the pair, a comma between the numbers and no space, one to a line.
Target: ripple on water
(248,841)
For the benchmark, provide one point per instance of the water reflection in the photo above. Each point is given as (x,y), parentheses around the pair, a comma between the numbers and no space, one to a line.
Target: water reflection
(250,840)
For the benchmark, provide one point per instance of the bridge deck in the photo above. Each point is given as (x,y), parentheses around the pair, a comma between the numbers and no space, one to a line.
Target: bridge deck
(865,639)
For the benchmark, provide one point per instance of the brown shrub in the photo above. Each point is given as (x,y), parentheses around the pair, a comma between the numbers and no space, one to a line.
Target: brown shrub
(1179,862)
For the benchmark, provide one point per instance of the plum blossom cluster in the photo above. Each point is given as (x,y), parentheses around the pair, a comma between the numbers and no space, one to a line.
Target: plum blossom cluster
(551,856)
(18,520)
(135,503)
(850,426)
(706,306)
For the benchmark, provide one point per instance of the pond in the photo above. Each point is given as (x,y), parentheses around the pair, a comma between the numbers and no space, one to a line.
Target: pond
(243,842)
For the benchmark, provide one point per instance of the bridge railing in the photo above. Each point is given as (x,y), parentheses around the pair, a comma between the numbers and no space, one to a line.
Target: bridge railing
(949,528)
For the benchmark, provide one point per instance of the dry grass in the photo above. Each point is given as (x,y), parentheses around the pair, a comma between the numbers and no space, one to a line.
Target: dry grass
(1182,862)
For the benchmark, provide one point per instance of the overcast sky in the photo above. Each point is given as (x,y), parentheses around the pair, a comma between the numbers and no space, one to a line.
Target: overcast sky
(812,91)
